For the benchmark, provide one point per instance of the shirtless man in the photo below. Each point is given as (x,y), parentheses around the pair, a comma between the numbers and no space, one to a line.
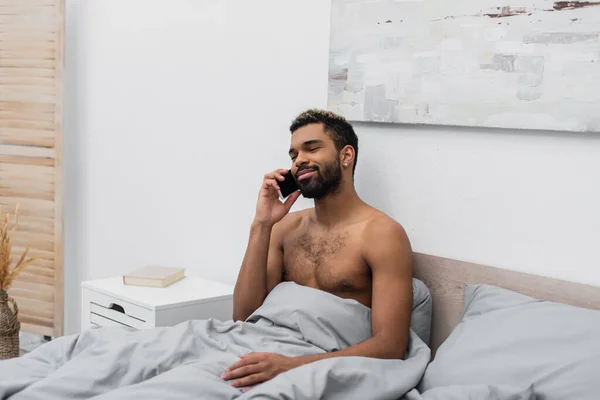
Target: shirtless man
(342,246)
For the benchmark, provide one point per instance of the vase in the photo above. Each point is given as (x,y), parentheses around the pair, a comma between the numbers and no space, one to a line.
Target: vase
(9,327)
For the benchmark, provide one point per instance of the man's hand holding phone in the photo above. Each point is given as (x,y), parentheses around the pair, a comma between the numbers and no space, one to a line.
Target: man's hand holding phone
(269,208)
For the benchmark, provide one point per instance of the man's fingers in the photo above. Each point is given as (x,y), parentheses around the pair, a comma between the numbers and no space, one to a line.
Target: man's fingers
(255,357)
(271,183)
(245,359)
(289,202)
(250,380)
(242,371)
(278,174)
(273,175)
(243,362)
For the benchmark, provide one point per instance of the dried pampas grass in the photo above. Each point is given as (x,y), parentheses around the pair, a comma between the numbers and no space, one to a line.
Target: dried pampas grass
(8,275)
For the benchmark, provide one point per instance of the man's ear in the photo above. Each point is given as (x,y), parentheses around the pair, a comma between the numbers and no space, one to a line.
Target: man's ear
(347,156)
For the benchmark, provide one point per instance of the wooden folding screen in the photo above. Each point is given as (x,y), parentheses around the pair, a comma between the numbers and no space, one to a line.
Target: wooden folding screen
(31,81)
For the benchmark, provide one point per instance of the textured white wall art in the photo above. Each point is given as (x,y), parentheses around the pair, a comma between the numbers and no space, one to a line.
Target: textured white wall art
(518,64)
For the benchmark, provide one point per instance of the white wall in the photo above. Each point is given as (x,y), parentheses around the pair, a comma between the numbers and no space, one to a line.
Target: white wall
(175,110)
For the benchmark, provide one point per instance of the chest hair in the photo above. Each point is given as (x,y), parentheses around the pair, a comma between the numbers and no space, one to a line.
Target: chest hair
(318,249)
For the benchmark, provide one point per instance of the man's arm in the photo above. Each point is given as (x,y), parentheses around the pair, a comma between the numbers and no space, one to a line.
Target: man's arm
(263,262)
(388,252)
(261,271)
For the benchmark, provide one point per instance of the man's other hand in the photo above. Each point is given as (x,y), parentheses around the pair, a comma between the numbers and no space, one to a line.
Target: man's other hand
(269,209)
(256,368)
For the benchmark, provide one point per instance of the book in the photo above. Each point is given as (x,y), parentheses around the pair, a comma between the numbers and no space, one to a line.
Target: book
(154,276)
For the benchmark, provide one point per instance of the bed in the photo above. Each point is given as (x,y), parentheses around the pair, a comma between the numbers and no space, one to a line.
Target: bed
(506,335)
(478,332)
(447,278)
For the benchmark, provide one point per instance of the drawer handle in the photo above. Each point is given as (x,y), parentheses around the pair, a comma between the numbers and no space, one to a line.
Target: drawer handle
(116,307)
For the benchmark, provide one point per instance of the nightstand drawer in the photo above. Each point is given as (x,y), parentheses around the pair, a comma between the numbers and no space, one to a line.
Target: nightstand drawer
(115,315)
(102,321)
(105,309)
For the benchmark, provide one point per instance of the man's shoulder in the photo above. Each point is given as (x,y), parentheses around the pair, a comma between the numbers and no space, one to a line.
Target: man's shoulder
(382,227)
(292,220)
(297,216)
(385,244)
(300,213)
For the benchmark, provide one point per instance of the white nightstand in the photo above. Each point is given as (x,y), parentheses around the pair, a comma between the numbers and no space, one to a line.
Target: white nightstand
(109,301)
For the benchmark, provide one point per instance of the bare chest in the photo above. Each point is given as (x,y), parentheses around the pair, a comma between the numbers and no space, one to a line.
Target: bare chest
(331,262)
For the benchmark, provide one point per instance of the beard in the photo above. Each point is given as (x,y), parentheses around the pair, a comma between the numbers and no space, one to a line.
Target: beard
(324,182)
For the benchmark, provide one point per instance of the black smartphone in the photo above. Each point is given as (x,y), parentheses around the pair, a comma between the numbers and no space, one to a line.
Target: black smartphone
(288,186)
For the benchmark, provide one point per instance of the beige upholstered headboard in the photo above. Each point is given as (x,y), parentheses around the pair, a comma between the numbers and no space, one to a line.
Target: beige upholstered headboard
(446,280)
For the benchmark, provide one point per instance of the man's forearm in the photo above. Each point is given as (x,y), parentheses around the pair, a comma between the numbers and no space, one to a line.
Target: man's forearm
(378,346)
(251,286)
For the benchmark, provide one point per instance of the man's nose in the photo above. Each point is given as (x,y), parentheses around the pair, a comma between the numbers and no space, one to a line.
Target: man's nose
(300,161)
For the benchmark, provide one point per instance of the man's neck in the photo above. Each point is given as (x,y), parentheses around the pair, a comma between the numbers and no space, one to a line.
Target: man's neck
(337,207)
